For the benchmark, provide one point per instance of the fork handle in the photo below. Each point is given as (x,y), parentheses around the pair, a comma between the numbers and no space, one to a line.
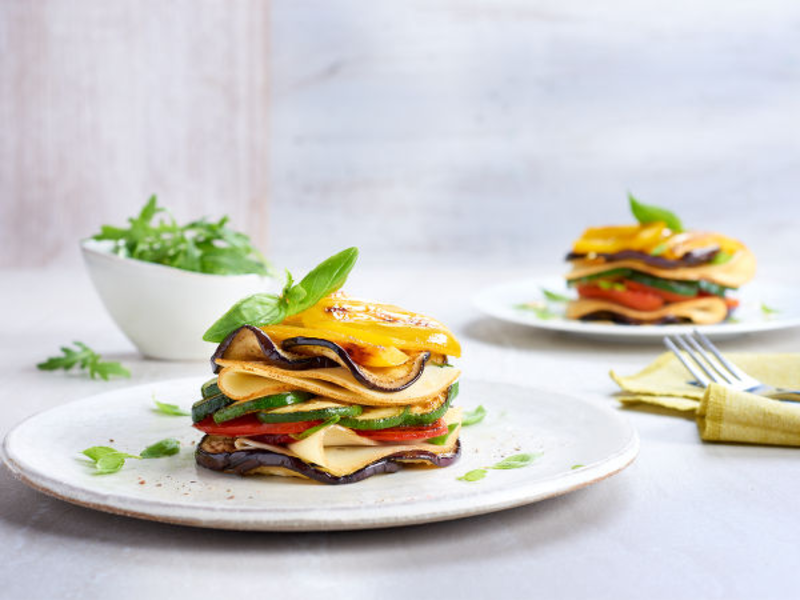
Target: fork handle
(783,394)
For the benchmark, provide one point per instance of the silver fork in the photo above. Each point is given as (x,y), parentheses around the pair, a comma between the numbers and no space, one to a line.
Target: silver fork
(707,365)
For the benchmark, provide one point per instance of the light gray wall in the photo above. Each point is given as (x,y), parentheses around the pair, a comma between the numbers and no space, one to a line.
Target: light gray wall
(495,131)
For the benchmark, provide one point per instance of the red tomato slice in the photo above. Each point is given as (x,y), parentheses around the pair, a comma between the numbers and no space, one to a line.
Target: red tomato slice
(668,296)
(630,298)
(731,303)
(250,425)
(400,434)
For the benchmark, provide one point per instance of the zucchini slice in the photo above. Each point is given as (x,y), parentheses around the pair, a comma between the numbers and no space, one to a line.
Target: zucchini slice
(313,410)
(239,409)
(377,418)
(207,406)
(425,414)
(210,388)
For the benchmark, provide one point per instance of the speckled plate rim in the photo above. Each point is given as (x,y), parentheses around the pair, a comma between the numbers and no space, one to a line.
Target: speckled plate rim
(354,517)
(498,301)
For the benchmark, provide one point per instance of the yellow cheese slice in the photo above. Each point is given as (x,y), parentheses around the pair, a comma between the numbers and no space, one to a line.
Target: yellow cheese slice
(702,311)
(335,452)
(240,380)
(737,271)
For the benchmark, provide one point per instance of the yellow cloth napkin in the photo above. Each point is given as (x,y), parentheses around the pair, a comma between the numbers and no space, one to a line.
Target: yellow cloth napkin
(723,414)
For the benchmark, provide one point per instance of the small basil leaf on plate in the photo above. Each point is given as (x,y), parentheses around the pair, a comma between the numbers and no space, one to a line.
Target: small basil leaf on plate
(541,312)
(647,213)
(555,297)
(767,310)
(474,475)
(110,463)
(472,417)
(165,447)
(172,410)
(516,461)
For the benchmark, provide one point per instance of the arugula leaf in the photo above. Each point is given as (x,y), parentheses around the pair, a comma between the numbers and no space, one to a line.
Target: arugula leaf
(515,462)
(473,417)
(106,459)
(541,312)
(84,358)
(646,213)
(554,297)
(169,409)
(268,309)
(474,475)
(312,430)
(201,246)
(768,310)
(165,447)
(441,440)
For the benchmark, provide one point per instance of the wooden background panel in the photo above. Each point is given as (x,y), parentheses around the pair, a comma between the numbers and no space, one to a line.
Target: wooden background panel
(104,103)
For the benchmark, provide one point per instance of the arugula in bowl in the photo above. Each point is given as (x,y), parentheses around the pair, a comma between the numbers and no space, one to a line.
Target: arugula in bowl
(202,246)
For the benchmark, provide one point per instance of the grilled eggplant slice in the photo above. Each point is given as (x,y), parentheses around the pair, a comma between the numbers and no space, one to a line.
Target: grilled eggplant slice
(219,454)
(382,379)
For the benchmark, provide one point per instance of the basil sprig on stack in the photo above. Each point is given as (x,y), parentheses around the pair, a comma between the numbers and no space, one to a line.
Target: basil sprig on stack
(264,309)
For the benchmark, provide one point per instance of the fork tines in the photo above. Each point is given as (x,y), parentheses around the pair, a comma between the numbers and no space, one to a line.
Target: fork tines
(713,367)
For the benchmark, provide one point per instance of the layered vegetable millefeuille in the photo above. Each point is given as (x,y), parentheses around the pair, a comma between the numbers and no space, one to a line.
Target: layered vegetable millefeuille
(655,272)
(319,385)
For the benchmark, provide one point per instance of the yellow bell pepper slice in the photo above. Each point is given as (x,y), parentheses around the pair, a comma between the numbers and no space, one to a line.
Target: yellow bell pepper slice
(379,324)
(608,240)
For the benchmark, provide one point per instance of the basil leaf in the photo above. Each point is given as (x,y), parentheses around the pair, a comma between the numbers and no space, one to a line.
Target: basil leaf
(441,440)
(110,463)
(472,417)
(611,285)
(646,213)
(474,475)
(268,309)
(515,462)
(573,467)
(659,250)
(768,310)
(312,430)
(541,312)
(166,447)
(257,310)
(554,297)
(106,459)
(327,277)
(169,409)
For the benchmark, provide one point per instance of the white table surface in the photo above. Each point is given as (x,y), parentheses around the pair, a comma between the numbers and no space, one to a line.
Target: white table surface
(686,520)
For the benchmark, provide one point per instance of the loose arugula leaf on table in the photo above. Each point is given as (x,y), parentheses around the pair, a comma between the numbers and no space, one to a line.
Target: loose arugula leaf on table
(172,410)
(165,447)
(201,246)
(474,475)
(555,297)
(473,417)
(84,358)
(647,213)
(269,309)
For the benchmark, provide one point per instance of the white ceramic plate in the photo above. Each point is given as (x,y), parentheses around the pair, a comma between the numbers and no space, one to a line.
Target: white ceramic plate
(43,452)
(502,302)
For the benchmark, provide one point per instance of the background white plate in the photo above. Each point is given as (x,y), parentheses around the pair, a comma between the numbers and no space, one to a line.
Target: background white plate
(43,451)
(501,301)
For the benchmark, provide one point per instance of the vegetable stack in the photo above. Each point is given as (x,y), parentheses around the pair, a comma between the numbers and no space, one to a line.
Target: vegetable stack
(316,384)
(656,272)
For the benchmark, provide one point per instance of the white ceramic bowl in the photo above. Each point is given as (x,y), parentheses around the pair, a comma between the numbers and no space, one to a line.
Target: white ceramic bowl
(165,311)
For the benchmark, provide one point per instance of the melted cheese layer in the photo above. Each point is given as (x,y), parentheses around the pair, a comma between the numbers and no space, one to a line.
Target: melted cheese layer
(242,380)
(341,451)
